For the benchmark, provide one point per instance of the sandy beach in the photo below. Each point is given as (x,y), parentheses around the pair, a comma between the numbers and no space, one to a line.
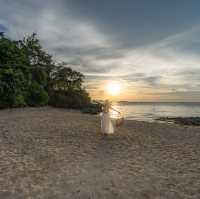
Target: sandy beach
(56,153)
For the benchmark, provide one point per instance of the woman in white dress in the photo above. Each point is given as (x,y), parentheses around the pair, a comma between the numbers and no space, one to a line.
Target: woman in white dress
(107,125)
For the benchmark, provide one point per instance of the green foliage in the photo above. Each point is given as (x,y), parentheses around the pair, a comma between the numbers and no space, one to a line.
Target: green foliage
(19,101)
(35,55)
(71,99)
(67,88)
(39,75)
(92,108)
(37,96)
(12,87)
(29,77)
(66,79)
(10,52)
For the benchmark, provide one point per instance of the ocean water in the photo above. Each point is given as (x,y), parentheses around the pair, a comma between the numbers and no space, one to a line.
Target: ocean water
(149,111)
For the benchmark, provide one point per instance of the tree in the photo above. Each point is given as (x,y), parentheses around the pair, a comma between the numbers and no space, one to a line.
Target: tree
(37,96)
(33,51)
(66,79)
(67,88)
(29,77)
(38,59)
(12,87)
(10,53)
(19,69)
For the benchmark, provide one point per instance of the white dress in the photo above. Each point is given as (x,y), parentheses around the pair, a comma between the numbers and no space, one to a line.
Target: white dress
(107,126)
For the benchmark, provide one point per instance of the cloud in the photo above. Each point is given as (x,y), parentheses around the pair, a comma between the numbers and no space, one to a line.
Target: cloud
(169,64)
(56,27)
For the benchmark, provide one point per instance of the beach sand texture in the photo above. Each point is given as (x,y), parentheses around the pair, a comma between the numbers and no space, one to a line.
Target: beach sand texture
(55,153)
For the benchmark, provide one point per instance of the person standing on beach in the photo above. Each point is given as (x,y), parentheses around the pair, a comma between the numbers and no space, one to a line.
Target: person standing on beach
(106,122)
(107,126)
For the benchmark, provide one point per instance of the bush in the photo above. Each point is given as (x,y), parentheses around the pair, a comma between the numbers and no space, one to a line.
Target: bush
(12,87)
(19,101)
(72,99)
(37,96)
(92,108)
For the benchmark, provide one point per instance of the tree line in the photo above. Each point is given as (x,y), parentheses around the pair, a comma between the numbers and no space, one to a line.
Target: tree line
(30,77)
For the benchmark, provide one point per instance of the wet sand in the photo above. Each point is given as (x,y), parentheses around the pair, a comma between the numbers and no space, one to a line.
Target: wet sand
(55,153)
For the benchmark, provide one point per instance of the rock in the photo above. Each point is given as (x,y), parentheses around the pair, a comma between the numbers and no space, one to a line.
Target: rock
(194,121)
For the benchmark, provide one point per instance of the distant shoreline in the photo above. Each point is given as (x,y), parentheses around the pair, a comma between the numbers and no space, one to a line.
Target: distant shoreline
(142,102)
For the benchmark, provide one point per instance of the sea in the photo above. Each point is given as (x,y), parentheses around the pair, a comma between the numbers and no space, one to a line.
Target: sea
(150,111)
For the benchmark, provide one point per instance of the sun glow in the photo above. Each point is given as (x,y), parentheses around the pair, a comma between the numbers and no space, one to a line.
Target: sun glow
(113,88)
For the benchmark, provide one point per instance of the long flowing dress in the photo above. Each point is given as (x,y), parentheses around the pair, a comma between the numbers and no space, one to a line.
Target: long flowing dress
(107,126)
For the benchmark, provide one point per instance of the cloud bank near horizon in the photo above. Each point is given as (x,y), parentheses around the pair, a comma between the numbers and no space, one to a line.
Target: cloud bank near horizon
(163,68)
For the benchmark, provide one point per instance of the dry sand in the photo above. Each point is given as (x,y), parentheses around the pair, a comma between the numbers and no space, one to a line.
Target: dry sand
(54,153)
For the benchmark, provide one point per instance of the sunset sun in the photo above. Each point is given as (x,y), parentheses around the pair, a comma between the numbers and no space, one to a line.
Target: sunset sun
(113,88)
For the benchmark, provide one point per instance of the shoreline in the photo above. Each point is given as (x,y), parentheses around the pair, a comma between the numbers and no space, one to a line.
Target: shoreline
(186,121)
(183,121)
(54,153)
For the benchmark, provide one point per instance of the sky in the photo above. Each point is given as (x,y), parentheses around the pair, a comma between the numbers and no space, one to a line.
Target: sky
(151,48)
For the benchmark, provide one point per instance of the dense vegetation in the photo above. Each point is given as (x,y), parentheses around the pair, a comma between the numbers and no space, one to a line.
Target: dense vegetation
(30,77)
